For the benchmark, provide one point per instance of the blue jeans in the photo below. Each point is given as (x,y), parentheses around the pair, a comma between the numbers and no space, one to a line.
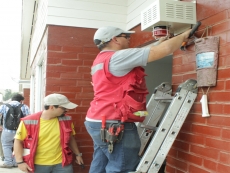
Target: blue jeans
(124,157)
(1,151)
(7,146)
(53,168)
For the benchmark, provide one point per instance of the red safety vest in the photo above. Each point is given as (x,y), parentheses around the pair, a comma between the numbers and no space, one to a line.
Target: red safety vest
(32,123)
(116,97)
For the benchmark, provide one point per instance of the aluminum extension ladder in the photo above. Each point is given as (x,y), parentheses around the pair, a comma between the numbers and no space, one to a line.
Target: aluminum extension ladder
(161,127)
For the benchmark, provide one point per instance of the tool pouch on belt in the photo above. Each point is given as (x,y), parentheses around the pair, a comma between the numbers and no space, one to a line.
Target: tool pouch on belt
(112,134)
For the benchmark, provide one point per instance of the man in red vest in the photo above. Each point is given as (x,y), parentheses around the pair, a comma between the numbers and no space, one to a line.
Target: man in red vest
(120,97)
(44,141)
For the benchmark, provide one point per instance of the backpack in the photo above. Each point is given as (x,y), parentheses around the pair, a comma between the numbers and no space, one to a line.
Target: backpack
(13,116)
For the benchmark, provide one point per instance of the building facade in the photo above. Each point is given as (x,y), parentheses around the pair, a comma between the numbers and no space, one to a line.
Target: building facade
(58,46)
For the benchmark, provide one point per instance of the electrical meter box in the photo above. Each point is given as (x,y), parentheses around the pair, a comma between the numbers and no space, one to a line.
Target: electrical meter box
(178,15)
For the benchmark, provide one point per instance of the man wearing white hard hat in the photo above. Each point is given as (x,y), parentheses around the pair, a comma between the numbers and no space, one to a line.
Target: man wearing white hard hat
(120,97)
(44,141)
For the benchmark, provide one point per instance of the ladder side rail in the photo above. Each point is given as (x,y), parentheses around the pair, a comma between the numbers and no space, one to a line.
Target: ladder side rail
(155,114)
(163,90)
(151,109)
(162,131)
(174,131)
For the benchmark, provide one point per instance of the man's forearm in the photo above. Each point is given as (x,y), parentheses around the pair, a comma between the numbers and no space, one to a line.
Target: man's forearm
(18,150)
(167,47)
(73,145)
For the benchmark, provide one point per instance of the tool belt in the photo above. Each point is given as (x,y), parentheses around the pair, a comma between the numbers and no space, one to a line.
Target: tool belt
(112,134)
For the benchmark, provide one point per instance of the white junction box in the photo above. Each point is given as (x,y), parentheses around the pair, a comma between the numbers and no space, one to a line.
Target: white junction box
(178,15)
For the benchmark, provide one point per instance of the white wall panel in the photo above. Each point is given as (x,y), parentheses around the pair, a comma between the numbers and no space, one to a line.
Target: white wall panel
(96,13)
(28,7)
(87,13)
(64,13)
(90,6)
(115,2)
(38,28)
(134,12)
(130,2)
(84,23)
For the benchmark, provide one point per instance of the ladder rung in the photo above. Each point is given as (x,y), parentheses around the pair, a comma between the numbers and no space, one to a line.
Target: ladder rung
(163,98)
(149,127)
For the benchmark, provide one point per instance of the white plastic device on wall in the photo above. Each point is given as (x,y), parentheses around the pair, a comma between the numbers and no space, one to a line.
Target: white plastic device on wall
(178,15)
(204,104)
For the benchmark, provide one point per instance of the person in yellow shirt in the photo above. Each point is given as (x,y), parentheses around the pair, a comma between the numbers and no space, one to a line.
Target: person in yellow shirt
(44,141)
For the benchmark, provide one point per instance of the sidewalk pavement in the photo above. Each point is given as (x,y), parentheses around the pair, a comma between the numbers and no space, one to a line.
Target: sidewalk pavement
(7,170)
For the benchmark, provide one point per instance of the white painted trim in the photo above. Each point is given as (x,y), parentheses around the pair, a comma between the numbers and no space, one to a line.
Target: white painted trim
(32,98)
(38,88)
(40,59)
(39,82)
(40,22)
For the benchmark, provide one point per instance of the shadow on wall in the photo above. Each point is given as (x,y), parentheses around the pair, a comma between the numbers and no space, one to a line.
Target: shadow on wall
(157,72)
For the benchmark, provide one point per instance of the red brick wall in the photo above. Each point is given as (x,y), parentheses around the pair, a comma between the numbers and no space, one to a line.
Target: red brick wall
(140,38)
(71,52)
(203,144)
(26,95)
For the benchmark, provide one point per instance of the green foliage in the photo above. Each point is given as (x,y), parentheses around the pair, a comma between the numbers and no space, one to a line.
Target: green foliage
(8,94)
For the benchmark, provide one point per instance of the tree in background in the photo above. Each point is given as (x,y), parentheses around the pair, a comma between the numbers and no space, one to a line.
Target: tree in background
(8,94)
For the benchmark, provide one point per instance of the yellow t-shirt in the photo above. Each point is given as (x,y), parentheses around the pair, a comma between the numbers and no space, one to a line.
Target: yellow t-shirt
(49,151)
